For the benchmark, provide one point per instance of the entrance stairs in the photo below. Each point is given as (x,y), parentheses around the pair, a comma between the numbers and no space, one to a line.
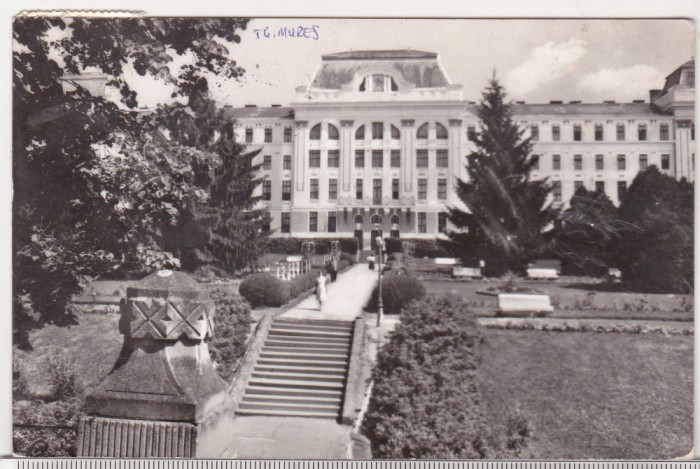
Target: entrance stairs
(301,370)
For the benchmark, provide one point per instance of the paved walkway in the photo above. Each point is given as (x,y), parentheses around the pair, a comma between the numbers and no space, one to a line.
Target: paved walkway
(346,297)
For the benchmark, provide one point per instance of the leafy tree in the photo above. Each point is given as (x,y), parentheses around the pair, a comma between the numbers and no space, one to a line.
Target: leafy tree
(99,185)
(656,255)
(585,231)
(506,212)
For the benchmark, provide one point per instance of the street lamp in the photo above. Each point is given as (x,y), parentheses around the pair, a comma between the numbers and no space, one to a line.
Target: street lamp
(380,303)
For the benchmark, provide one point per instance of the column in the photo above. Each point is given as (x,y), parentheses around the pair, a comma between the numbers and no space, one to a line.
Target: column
(408,163)
(299,173)
(682,165)
(346,157)
(456,164)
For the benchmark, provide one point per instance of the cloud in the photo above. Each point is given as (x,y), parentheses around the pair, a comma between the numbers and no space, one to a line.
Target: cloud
(622,84)
(546,63)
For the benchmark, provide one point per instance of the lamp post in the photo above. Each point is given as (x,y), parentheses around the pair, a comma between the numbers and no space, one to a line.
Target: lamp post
(380,303)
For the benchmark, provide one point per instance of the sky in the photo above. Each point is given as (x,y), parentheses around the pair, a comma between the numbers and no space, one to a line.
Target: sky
(537,60)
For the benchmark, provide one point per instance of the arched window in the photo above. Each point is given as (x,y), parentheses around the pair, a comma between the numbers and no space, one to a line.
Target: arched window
(422,132)
(378,83)
(359,219)
(440,131)
(360,133)
(376,219)
(395,219)
(315,133)
(333,132)
(395,133)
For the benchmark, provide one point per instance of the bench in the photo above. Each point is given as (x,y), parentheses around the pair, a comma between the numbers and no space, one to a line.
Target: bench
(542,274)
(466,272)
(446,261)
(293,259)
(517,303)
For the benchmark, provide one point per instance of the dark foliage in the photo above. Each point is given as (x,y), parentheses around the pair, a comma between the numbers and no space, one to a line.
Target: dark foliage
(232,322)
(264,290)
(397,292)
(292,246)
(430,248)
(507,212)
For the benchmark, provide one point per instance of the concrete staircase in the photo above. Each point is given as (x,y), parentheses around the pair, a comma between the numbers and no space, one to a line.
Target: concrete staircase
(301,370)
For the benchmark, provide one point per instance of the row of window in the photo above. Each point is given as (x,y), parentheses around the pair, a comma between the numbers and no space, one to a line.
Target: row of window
(286,162)
(598,132)
(287,135)
(422,158)
(599,187)
(600,162)
(332,222)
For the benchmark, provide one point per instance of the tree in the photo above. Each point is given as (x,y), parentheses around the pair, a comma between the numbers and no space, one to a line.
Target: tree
(585,232)
(99,185)
(655,254)
(506,212)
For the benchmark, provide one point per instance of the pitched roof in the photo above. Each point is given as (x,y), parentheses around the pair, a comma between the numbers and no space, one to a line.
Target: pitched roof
(675,77)
(580,109)
(260,112)
(399,54)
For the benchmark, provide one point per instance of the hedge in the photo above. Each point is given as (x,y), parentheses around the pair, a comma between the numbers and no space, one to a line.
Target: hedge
(292,246)
(232,321)
(397,292)
(431,248)
(264,290)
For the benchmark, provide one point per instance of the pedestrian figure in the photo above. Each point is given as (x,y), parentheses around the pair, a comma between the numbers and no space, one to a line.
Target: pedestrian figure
(370,259)
(321,289)
(334,269)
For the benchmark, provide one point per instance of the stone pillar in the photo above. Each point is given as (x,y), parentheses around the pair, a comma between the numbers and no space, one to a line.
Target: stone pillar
(408,154)
(685,147)
(299,173)
(456,164)
(347,157)
(163,398)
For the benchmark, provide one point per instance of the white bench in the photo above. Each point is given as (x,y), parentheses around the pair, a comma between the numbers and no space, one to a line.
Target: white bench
(542,274)
(519,303)
(614,273)
(466,272)
(293,259)
(446,261)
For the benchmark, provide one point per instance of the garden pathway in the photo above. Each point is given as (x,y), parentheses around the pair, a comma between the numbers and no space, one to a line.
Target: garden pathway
(346,297)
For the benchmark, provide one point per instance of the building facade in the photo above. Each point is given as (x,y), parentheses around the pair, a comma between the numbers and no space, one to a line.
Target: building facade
(377,140)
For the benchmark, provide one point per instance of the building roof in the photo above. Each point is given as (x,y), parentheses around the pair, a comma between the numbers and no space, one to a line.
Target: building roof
(676,78)
(259,112)
(581,109)
(416,68)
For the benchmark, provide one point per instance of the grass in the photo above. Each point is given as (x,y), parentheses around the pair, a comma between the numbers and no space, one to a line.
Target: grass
(593,396)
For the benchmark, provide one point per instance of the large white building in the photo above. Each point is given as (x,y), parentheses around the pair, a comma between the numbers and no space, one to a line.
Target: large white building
(378,138)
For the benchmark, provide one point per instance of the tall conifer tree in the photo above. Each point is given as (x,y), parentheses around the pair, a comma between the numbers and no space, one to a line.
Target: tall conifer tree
(506,212)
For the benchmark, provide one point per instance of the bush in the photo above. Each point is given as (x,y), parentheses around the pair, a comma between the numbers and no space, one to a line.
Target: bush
(264,290)
(430,248)
(425,402)
(323,245)
(232,322)
(302,283)
(397,292)
(347,257)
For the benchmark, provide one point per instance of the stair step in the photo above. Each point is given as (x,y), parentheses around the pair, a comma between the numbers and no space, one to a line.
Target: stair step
(311,327)
(306,335)
(304,362)
(313,322)
(282,399)
(276,368)
(289,392)
(304,407)
(274,350)
(290,340)
(289,413)
(294,382)
(297,376)
(297,343)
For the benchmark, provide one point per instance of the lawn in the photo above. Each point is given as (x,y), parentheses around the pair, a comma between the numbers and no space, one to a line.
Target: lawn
(589,395)
(575,302)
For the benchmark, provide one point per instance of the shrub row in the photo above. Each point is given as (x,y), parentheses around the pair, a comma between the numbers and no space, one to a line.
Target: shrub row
(232,322)
(397,292)
(323,245)
(583,327)
(431,248)
(425,402)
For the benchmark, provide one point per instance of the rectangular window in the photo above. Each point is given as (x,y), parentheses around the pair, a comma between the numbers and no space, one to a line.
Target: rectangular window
(600,186)
(442,222)
(248,135)
(642,132)
(313,189)
(471,133)
(287,162)
(442,189)
(599,163)
(332,224)
(286,222)
(395,189)
(377,130)
(287,135)
(422,222)
(665,161)
(268,134)
(333,158)
(534,133)
(267,162)
(421,158)
(578,162)
(598,132)
(358,189)
(620,132)
(556,191)
(377,158)
(313,222)
(556,162)
(621,190)
(663,132)
(621,162)
(377,191)
(332,189)
(577,133)
(359,158)
(441,158)
(643,162)
(535,162)
(395,158)
(315,159)
(286,190)
(556,133)
(577,185)
(267,190)
(422,189)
